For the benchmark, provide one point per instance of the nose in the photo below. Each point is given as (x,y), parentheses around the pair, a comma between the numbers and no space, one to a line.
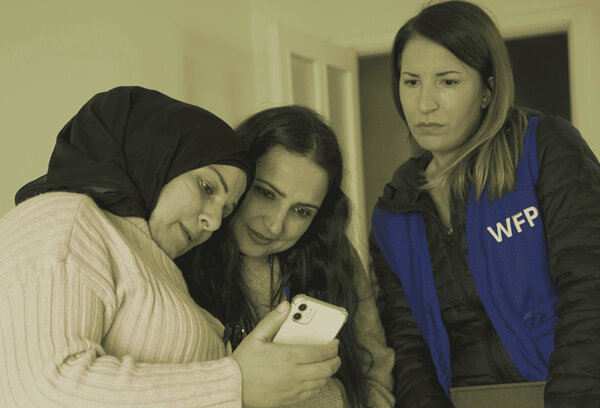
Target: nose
(211,216)
(274,221)
(428,99)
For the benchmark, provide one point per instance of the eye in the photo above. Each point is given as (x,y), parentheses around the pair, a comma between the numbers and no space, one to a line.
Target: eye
(206,187)
(263,192)
(410,82)
(449,82)
(303,212)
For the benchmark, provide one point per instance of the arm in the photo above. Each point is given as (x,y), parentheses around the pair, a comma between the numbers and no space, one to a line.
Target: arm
(58,304)
(569,195)
(415,378)
(65,333)
(379,361)
(51,330)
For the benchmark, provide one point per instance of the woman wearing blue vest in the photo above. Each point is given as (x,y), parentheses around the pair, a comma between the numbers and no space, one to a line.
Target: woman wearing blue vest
(487,246)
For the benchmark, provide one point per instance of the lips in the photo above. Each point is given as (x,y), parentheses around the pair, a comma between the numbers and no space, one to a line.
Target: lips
(429,128)
(429,125)
(259,238)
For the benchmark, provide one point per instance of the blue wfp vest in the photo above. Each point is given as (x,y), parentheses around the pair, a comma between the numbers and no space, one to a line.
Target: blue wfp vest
(508,261)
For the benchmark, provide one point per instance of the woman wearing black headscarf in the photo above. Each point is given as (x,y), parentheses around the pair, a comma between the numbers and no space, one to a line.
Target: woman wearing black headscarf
(94,311)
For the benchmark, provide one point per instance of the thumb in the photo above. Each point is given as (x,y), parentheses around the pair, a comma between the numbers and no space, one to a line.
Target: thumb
(266,329)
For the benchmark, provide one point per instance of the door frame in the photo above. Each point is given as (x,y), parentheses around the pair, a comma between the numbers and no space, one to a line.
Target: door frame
(575,20)
(286,41)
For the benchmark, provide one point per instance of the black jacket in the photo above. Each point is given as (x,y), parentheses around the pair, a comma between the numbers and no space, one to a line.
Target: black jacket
(568,191)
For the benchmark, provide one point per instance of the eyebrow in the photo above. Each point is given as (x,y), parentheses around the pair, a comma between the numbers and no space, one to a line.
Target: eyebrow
(448,72)
(316,207)
(220,178)
(438,74)
(233,204)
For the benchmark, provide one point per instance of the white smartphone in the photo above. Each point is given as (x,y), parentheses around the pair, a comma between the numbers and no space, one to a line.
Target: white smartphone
(311,322)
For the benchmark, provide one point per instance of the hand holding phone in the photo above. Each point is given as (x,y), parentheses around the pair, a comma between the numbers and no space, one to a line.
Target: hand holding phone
(311,322)
(271,373)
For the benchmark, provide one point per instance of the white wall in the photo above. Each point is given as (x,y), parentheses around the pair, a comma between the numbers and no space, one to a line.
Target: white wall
(385,141)
(56,54)
(369,28)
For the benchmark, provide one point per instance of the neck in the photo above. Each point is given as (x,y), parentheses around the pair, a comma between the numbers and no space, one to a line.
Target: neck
(250,260)
(439,163)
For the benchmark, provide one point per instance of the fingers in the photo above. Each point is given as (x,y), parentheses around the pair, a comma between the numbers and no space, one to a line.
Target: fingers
(266,329)
(300,354)
(312,386)
(306,390)
(318,371)
(307,394)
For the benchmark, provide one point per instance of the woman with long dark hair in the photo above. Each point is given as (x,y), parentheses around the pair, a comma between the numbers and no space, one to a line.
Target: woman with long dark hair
(95,312)
(487,245)
(290,230)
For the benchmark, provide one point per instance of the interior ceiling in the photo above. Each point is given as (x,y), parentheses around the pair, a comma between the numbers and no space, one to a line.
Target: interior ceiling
(335,20)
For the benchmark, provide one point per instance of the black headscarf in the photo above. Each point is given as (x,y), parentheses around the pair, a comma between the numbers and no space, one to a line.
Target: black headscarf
(125,144)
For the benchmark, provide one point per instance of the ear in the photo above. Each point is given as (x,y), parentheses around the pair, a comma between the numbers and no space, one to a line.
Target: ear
(487,93)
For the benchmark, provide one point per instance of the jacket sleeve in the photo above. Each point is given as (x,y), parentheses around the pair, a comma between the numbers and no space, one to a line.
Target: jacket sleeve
(378,363)
(415,379)
(568,191)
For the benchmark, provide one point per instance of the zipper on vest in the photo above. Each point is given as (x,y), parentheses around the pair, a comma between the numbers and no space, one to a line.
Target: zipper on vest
(450,234)
(494,359)
(488,331)
(452,255)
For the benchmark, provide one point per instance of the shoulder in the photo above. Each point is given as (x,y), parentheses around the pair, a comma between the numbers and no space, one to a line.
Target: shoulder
(58,201)
(557,138)
(51,209)
(567,165)
(43,226)
(408,171)
(54,210)
(555,124)
(405,183)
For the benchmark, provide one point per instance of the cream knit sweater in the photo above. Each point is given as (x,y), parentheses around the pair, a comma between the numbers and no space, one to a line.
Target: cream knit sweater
(94,314)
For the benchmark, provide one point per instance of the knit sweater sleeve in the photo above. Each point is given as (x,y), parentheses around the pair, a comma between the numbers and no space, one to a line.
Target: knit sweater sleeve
(568,190)
(331,395)
(57,302)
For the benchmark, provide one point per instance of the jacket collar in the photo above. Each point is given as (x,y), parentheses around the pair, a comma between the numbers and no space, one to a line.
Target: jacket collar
(404,192)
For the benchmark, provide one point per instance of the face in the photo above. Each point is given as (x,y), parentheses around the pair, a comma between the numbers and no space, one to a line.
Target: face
(442,97)
(288,190)
(191,206)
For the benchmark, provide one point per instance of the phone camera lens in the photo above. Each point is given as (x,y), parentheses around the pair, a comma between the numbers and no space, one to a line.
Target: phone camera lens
(302,307)
(297,316)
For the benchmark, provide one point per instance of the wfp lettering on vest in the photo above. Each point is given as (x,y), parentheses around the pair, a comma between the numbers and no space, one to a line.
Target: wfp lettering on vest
(506,228)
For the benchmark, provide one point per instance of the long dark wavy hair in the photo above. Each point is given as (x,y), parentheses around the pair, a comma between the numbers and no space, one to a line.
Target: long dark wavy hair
(321,264)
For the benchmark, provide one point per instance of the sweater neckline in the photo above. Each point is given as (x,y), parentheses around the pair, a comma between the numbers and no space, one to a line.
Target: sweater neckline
(140,223)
